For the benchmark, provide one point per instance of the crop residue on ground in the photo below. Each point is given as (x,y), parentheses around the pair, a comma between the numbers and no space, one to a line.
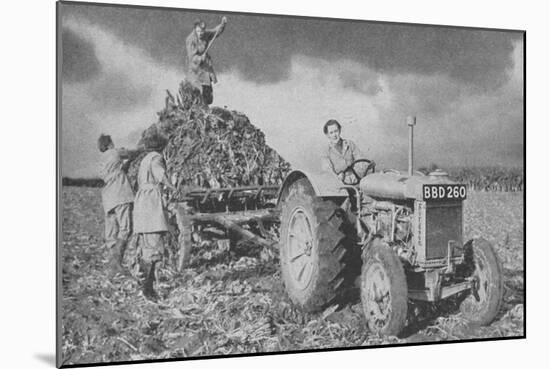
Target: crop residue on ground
(234,302)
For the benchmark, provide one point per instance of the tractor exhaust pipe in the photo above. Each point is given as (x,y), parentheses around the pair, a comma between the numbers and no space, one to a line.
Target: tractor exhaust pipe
(411,122)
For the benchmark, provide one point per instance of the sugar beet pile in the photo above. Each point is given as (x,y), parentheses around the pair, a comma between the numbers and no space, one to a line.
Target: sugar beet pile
(211,147)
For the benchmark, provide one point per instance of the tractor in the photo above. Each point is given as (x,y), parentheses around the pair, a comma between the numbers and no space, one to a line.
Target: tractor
(398,236)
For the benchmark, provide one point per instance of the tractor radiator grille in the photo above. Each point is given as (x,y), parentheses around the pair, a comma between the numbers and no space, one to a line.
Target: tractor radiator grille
(443,224)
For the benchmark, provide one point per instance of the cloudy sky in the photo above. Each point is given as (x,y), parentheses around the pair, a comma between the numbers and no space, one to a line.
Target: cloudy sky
(290,75)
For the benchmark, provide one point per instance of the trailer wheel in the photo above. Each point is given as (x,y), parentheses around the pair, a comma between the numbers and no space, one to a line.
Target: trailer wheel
(383,290)
(315,253)
(483,302)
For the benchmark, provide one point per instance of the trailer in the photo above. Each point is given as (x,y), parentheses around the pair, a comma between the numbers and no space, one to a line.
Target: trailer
(239,213)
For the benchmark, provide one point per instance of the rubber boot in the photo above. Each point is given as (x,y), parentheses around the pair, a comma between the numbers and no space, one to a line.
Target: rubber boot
(148,284)
(116,257)
(120,252)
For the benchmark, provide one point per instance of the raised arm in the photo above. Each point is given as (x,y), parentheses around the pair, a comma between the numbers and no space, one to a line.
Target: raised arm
(216,31)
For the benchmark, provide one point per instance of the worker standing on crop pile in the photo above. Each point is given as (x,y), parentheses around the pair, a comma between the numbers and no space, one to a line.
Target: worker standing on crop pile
(341,153)
(150,221)
(117,197)
(201,70)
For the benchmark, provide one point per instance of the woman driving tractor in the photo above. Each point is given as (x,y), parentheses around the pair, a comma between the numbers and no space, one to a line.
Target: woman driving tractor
(343,157)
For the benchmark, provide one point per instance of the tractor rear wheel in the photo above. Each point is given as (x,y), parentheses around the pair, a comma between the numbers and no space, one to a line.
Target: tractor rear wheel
(383,290)
(481,306)
(315,252)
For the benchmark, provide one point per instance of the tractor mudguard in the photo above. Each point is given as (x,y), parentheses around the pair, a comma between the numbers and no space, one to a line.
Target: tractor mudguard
(324,184)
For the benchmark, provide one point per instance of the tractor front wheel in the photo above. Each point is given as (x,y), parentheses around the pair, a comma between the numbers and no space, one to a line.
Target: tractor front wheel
(383,290)
(482,304)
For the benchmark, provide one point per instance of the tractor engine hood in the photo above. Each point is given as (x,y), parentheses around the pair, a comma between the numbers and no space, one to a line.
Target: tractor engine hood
(396,185)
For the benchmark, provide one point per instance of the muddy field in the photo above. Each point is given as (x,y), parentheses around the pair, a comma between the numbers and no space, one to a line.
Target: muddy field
(234,302)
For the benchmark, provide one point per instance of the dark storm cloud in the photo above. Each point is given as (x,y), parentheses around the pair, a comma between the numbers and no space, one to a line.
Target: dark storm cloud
(260,48)
(459,83)
(80,63)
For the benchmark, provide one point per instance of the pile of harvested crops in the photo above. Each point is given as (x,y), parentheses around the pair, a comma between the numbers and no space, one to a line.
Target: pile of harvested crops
(211,147)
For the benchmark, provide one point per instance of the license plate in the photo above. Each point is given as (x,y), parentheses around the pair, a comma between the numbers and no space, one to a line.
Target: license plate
(444,192)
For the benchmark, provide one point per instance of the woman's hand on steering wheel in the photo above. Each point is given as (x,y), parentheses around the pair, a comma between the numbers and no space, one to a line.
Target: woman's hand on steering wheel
(351,168)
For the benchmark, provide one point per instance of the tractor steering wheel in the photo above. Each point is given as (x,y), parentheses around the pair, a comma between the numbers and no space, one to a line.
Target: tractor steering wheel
(351,168)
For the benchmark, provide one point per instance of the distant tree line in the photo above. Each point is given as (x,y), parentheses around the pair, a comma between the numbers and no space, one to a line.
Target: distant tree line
(485,178)
(82,182)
